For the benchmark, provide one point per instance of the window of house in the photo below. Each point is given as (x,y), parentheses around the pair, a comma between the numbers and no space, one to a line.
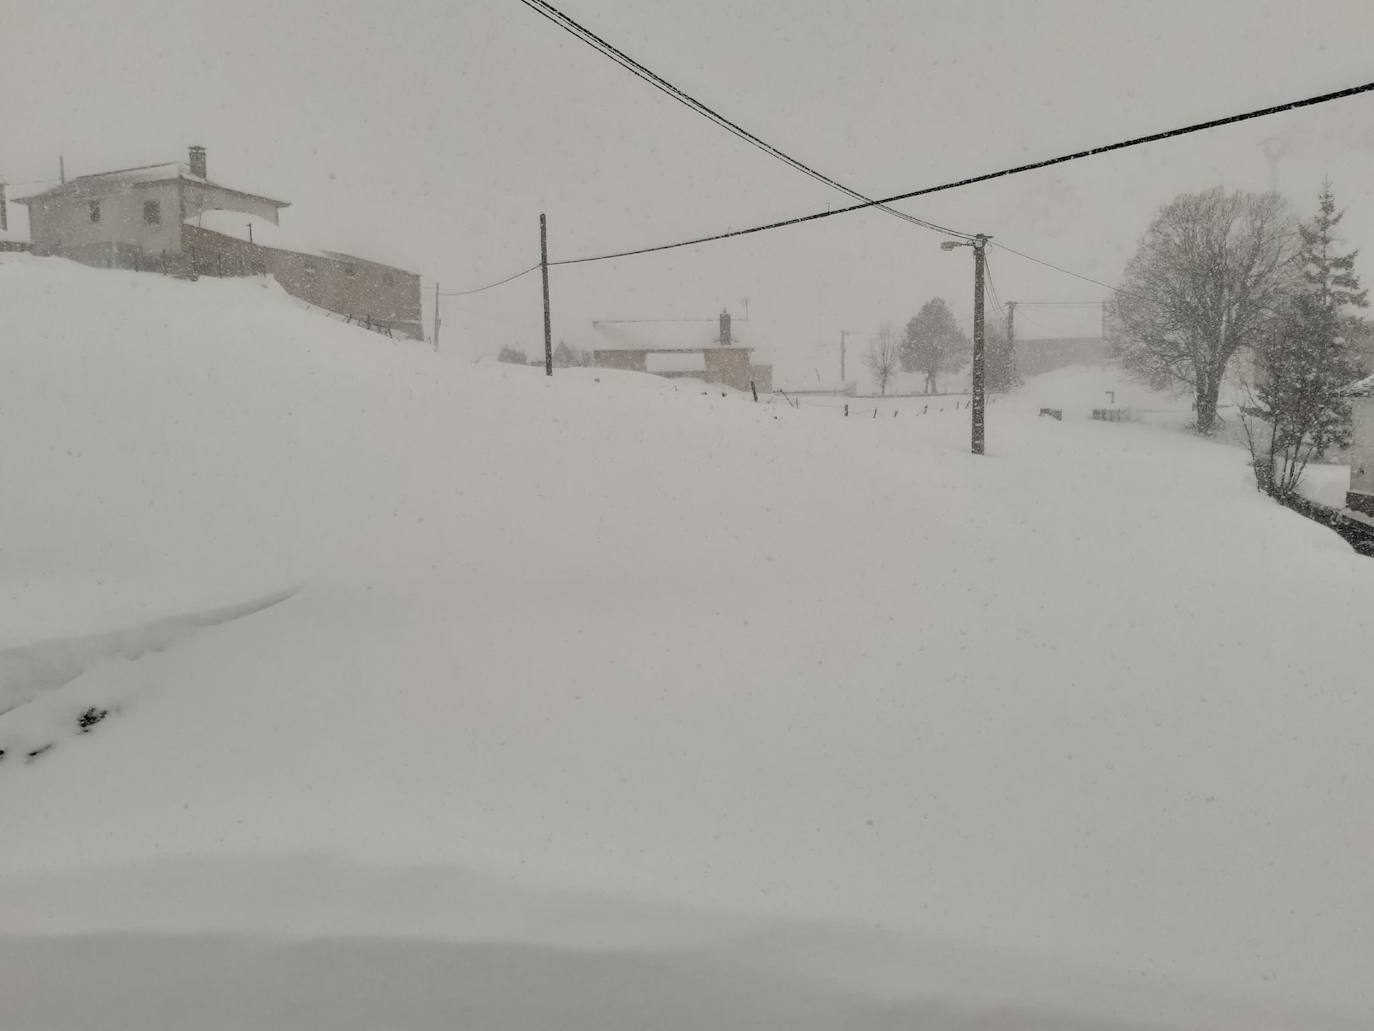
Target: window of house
(95,210)
(152,212)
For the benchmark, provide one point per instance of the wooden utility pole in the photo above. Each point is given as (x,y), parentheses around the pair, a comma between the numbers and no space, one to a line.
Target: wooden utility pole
(979,355)
(4,216)
(842,358)
(437,320)
(62,169)
(1104,322)
(544,269)
(1011,324)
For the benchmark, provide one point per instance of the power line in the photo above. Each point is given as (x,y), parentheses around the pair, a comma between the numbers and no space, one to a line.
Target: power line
(968,181)
(997,306)
(1000,174)
(623,59)
(1060,304)
(1058,268)
(489,286)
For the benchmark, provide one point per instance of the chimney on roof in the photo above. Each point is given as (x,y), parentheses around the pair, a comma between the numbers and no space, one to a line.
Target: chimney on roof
(724,328)
(198,162)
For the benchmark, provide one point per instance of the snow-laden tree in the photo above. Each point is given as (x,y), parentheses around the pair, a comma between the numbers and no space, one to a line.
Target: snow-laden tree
(1295,409)
(933,343)
(1211,273)
(1000,367)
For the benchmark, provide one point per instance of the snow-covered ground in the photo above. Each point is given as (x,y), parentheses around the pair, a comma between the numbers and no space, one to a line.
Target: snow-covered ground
(608,701)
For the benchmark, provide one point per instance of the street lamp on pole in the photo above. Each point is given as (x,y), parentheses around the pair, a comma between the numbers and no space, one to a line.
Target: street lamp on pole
(979,245)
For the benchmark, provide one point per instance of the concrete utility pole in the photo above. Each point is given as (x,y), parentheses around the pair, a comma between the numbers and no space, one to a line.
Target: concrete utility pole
(979,245)
(979,354)
(437,320)
(544,269)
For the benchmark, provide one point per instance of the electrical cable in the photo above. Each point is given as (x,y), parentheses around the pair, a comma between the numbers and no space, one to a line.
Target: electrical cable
(623,59)
(999,174)
(489,286)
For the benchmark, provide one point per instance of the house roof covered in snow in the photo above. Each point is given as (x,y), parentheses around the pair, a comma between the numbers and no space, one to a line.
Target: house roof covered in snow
(662,335)
(141,175)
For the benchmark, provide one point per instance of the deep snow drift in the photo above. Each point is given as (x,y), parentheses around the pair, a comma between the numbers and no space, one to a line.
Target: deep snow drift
(709,701)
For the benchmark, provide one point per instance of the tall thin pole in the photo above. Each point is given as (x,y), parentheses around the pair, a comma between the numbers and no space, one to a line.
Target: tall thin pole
(62,169)
(544,270)
(1007,374)
(841,358)
(1104,321)
(437,320)
(979,357)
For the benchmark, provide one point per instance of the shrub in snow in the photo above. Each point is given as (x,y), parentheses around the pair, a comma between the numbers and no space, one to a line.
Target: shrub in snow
(90,718)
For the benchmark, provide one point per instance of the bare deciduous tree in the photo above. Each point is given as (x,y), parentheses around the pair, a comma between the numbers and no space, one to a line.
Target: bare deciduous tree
(884,356)
(1210,273)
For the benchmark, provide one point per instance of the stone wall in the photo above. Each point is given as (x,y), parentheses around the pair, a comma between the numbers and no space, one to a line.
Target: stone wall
(365,291)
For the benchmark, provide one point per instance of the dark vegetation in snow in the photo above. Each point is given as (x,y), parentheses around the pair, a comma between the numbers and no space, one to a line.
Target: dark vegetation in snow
(90,718)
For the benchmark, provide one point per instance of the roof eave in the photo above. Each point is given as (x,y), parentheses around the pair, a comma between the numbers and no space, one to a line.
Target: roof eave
(229,189)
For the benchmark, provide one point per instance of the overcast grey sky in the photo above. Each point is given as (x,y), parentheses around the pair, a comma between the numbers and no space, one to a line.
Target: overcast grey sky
(432,135)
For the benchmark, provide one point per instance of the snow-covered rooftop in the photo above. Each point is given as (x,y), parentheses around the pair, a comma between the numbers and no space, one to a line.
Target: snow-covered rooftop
(660,335)
(140,174)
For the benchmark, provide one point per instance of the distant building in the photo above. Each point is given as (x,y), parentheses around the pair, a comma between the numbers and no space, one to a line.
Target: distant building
(1037,356)
(173,218)
(1360,454)
(697,349)
(10,238)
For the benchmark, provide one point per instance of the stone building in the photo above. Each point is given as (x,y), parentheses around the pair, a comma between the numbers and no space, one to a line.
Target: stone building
(173,218)
(697,349)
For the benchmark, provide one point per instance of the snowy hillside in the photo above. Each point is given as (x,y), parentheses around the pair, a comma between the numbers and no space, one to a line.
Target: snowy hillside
(602,701)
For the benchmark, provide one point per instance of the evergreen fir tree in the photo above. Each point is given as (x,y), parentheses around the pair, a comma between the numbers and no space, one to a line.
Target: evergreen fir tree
(1304,361)
(1332,275)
